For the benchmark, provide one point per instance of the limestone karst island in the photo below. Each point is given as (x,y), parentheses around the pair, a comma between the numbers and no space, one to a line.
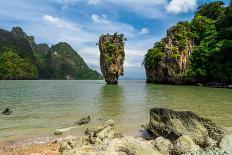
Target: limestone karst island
(107,77)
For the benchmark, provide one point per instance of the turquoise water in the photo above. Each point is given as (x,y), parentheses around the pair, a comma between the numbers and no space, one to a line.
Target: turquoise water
(40,107)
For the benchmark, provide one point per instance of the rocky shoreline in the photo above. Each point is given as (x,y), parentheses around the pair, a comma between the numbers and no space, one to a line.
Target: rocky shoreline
(168,132)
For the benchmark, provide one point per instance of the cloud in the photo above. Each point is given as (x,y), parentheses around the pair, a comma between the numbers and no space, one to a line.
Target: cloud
(99,19)
(144,31)
(94,2)
(53,20)
(178,6)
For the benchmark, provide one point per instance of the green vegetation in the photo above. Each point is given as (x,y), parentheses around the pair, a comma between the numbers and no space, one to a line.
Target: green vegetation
(210,34)
(12,66)
(65,61)
(154,56)
(22,58)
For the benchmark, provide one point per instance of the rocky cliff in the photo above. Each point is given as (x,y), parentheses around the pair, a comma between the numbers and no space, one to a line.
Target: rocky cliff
(22,58)
(112,56)
(17,59)
(168,59)
(196,51)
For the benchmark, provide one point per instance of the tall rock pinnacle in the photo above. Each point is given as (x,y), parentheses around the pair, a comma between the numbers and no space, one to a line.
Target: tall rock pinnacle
(112,56)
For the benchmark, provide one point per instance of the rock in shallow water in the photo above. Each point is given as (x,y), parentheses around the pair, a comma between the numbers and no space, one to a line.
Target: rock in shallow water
(112,56)
(82,121)
(7,111)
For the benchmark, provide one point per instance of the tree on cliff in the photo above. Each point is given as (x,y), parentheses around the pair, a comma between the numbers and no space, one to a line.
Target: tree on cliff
(112,56)
(207,54)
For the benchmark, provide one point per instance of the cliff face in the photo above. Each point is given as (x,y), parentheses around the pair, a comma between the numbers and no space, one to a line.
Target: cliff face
(198,51)
(17,59)
(168,59)
(22,58)
(112,56)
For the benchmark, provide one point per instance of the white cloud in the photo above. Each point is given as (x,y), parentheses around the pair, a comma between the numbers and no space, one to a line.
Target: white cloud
(99,19)
(144,31)
(178,6)
(57,22)
(53,20)
(94,2)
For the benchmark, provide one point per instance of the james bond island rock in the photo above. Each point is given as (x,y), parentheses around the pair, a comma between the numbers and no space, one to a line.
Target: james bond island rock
(112,56)
(185,129)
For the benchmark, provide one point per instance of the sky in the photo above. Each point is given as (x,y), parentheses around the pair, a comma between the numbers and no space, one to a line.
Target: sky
(81,22)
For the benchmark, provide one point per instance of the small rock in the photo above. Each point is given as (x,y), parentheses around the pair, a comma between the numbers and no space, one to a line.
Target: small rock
(184,145)
(7,111)
(103,133)
(163,145)
(82,121)
(131,146)
(58,132)
(70,145)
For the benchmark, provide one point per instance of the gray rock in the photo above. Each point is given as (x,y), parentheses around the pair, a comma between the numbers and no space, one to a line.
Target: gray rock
(163,145)
(103,133)
(174,124)
(105,141)
(211,151)
(57,132)
(226,144)
(82,121)
(131,146)
(7,111)
(185,145)
(70,145)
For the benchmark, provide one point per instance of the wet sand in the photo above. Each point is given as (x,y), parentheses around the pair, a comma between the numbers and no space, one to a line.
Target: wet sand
(32,149)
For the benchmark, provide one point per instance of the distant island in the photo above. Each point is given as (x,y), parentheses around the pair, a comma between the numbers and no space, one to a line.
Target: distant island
(22,59)
(196,51)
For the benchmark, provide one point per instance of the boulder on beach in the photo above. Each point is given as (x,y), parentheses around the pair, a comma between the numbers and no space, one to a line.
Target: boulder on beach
(105,140)
(185,129)
(103,133)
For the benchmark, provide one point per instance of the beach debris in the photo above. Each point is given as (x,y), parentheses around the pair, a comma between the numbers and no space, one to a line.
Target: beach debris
(7,111)
(60,131)
(82,121)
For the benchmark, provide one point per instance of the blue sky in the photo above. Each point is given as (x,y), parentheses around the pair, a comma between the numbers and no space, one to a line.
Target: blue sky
(81,22)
